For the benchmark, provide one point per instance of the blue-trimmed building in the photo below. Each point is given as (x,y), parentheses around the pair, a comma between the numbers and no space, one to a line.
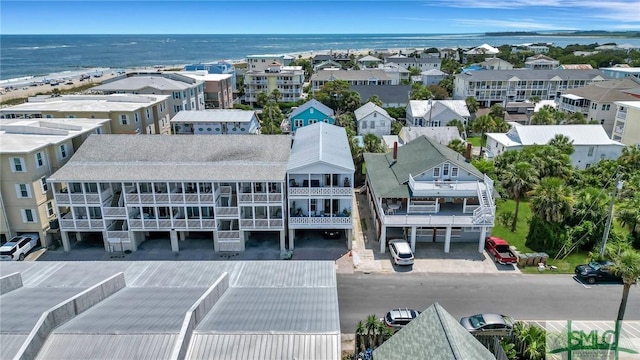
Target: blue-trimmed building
(220,67)
(309,113)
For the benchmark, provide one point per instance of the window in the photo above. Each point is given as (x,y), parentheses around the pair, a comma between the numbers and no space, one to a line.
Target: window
(28,215)
(312,121)
(606,107)
(313,205)
(445,170)
(50,211)
(43,184)
(124,119)
(40,159)
(363,124)
(63,151)
(372,124)
(436,172)
(23,191)
(311,111)
(454,171)
(17,164)
(136,117)
(591,150)
(99,131)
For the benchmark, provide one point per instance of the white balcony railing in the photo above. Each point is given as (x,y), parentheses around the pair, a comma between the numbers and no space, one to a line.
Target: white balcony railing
(227,211)
(320,220)
(114,212)
(321,191)
(229,235)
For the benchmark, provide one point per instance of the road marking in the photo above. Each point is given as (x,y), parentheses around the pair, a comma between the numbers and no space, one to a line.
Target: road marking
(581,283)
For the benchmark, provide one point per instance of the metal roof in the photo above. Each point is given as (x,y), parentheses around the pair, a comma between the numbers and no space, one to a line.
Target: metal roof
(179,158)
(86,103)
(321,143)
(313,103)
(369,108)
(542,134)
(216,115)
(296,303)
(138,82)
(364,75)
(442,134)
(421,108)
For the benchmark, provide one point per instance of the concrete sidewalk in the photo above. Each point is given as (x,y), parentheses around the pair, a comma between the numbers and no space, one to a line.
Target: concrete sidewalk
(429,257)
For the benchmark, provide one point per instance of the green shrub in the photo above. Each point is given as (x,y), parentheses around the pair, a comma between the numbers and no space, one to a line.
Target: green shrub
(506,218)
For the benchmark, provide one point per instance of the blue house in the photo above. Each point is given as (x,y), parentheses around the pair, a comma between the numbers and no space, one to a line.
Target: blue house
(220,67)
(309,113)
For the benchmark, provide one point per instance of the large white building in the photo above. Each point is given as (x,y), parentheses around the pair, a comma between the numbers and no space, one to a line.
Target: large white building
(434,113)
(217,121)
(590,142)
(288,80)
(626,128)
(504,86)
(123,188)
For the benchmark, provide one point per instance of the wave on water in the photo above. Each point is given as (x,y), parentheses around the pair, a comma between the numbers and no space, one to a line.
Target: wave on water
(43,47)
(126,44)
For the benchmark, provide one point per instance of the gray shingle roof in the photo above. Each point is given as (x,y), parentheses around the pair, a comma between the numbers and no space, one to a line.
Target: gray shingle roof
(606,91)
(179,158)
(140,82)
(321,143)
(390,179)
(436,335)
(528,74)
(329,75)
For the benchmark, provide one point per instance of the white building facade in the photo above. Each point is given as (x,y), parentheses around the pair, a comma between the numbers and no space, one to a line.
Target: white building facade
(372,119)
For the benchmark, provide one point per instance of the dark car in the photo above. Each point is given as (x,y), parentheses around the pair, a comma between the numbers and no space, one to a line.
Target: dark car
(398,318)
(489,323)
(596,271)
(331,234)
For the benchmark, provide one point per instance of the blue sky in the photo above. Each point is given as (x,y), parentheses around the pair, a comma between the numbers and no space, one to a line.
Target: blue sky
(314,17)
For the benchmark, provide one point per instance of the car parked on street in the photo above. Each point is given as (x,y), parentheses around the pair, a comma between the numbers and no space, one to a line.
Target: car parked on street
(400,251)
(596,271)
(18,247)
(490,323)
(398,318)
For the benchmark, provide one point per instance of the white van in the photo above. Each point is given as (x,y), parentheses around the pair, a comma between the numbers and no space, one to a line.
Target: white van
(18,247)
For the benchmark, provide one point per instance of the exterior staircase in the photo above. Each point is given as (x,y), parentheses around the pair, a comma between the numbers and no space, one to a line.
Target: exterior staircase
(485,213)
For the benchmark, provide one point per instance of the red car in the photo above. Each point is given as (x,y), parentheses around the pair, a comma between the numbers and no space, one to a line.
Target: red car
(500,250)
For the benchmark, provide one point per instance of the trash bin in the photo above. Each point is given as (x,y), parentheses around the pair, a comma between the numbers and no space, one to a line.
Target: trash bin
(522,260)
(531,257)
(545,258)
(536,259)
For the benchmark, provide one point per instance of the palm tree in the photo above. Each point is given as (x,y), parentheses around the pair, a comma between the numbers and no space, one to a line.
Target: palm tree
(542,117)
(373,144)
(275,95)
(551,200)
(519,179)
(359,335)
(458,146)
(457,123)
(563,143)
(628,213)
(576,119)
(472,106)
(630,157)
(375,99)
(371,324)
(481,125)
(496,111)
(627,266)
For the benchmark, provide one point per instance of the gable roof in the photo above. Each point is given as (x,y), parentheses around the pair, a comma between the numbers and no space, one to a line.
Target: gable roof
(214,115)
(421,108)
(369,58)
(605,91)
(442,134)
(433,72)
(542,134)
(368,108)
(388,94)
(530,74)
(366,74)
(447,339)
(138,82)
(389,178)
(313,103)
(482,50)
(320,143)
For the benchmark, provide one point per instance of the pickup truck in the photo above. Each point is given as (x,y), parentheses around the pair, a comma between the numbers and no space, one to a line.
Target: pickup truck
(500,250)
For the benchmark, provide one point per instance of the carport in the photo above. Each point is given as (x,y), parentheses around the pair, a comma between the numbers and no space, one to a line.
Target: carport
(263,241)
(87,240)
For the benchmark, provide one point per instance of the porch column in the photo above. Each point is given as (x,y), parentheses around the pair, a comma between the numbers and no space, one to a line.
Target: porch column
(292,233)
(105,239)
(383,238)
(283,243)
(413,238)
(65,241)
(349,234)
(175,247)
(483,235)
(464,205)
(243,238)
(216,247)
(182,235)
(447,239)
(78,236)
(134,241)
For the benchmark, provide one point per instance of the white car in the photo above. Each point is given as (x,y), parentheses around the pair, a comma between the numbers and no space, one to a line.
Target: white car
(400,252)
(18,247)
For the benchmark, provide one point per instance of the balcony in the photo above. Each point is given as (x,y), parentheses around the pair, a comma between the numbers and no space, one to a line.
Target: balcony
(458,189)
(276,224)
(114,212)
(301,222)
(260,198)
(68,223)
(320,191)
(227,212)
(621,115)
(66,198)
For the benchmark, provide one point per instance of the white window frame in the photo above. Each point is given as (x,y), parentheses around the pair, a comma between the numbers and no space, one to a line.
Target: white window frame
(40,160)
(445,169)
(436,172)
(591,151)
(124,119)
(23,191)
(44,185)
(454,171)
(298,123)
(25,217)
(63,151)
(14,166)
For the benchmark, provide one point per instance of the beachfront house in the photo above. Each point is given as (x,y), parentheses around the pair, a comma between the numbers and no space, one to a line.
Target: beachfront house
(220,68)
(541,62)
(372,119)
(426,192)
(320,181)
(125,190)
(128,113)
(436,112)
(308,113)
(288,80)
(218,88)
(216,122)
(627,123)
(590,142)
(495,63)
(421,63)
(596,101)
(186,93)
(503,86)
(31,150)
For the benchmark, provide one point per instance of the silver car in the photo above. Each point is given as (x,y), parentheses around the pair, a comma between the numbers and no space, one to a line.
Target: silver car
(400,252)
(488,323)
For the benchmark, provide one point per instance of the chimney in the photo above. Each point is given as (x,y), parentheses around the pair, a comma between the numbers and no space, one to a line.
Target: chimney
(467,154)
(395,151)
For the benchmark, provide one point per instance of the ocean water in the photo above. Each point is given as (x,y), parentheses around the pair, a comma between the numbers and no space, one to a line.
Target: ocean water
(26,56)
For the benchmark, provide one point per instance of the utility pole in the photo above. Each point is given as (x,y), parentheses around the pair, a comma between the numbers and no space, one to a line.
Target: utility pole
(607,227)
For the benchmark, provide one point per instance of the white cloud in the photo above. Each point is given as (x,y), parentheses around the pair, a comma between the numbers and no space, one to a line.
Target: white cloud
(506,24)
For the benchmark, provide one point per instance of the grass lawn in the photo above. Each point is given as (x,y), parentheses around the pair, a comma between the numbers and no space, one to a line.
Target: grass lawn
(474,140)
(519,238)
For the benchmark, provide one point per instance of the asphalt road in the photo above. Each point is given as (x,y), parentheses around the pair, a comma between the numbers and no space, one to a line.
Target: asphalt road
(525,297)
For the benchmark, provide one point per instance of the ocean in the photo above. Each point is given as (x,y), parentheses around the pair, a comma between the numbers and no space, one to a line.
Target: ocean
(26,56)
